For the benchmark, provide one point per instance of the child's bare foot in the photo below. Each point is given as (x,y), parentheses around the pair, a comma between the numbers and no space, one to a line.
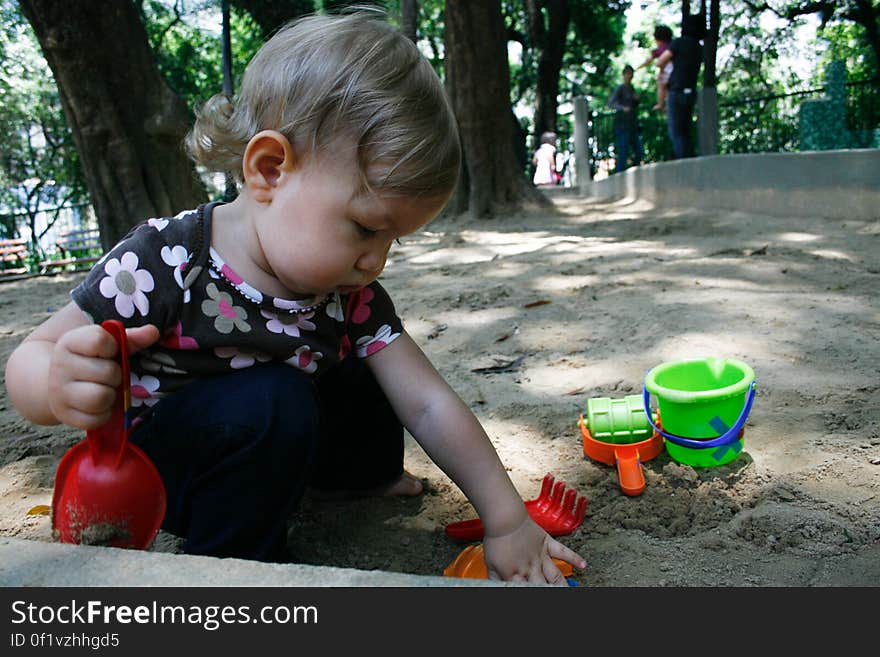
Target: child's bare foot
(658,106)
(405,486)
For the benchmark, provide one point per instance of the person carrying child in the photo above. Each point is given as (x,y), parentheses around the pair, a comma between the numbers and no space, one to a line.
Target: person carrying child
(662,37)
(266,358)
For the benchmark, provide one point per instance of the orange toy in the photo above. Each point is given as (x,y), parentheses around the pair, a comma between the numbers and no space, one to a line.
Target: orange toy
(628,457)
(471,564)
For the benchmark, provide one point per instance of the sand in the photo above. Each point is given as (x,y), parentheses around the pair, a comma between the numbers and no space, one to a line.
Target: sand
(581,301)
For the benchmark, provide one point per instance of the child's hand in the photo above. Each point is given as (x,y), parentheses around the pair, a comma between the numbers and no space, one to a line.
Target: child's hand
(526,555)
(84,375)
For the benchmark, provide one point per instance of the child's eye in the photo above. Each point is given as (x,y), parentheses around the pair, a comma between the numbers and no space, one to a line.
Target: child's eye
(366,232)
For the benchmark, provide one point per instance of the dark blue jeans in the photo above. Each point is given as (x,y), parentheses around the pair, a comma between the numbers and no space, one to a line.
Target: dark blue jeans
(679,118)
(628,142)
(237,451)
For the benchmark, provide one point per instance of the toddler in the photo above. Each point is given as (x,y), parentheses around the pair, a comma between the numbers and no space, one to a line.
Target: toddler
(662,37)
(266,358)
(544,161)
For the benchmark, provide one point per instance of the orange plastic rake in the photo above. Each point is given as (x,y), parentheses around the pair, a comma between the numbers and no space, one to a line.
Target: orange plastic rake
(471,564)
(557,510)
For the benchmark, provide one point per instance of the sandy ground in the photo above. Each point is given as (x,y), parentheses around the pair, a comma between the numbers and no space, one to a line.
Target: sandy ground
(629,286)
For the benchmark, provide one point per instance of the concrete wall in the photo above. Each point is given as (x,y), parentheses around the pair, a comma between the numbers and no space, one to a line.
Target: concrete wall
(837,184)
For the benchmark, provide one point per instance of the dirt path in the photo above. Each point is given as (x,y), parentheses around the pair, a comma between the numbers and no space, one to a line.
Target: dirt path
(629,287)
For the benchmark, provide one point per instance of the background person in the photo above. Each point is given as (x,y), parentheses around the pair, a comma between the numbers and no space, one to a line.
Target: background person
(628,141)
(686,55)
(662,37)
(544,161)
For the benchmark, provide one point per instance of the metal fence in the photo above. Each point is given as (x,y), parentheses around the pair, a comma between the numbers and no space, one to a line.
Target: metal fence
(863,111)
(764,124)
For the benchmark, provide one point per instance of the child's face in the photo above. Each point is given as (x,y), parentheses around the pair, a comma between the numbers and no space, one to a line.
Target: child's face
(321,234)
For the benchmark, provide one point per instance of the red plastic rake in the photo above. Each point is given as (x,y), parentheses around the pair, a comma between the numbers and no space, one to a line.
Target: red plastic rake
(557,510)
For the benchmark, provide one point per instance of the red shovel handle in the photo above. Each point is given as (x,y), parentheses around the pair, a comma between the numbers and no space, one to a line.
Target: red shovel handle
(107,442)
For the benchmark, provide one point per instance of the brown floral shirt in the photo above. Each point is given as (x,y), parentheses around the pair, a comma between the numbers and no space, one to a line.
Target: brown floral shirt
(164,272)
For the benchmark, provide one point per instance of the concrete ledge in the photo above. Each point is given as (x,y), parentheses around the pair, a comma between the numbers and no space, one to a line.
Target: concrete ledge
(836,184)
(37,563)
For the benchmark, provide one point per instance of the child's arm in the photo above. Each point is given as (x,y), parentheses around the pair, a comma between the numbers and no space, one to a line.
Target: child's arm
(515,547)
(65,372)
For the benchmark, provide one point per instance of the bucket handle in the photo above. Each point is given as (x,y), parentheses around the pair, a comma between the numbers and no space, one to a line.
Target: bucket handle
(727,437)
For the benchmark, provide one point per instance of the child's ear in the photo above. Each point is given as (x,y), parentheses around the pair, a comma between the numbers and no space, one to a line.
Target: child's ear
(267,156)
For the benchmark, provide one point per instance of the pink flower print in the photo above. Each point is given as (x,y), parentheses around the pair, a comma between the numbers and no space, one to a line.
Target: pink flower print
(144,389)
(127,285)
(289,324)
(226,315)
(334,308)
(241,358)
(175,339)
(158,224)
(177,257)
(305,359)
(344,347)
(359,305)
(370,344)
(158,361)
(232,276)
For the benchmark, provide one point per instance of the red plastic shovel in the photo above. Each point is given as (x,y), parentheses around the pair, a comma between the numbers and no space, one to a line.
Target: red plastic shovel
(556,513)
(107,491)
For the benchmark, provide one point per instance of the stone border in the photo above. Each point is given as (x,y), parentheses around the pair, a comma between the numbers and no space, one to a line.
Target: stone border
(38,563)
(841,184)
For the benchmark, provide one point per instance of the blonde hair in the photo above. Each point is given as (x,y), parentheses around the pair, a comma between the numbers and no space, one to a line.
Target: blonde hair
(355,76)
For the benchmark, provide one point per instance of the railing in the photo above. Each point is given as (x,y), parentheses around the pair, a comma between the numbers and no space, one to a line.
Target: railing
(748,125)
(863,111)
(652,130)
(765,124)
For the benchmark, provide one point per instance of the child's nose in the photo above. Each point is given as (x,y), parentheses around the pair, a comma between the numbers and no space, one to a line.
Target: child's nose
(373,261)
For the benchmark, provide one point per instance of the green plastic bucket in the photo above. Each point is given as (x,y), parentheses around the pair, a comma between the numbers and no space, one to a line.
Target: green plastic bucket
(700,398)
(618,421)
(704,405)
(706,457)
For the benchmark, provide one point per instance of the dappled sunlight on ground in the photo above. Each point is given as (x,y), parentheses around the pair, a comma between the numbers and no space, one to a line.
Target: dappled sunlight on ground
(530,315)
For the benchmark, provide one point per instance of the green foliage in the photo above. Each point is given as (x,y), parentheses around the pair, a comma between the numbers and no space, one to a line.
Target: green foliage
(190,56)
(846,42)
(39,165)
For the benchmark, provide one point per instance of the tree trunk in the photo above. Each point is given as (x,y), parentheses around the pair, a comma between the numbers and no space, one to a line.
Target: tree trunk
(272,14)
(867,15)
(550,43)
(127,123)
(710,45)
(708,135)
(409,19)
(478,81)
